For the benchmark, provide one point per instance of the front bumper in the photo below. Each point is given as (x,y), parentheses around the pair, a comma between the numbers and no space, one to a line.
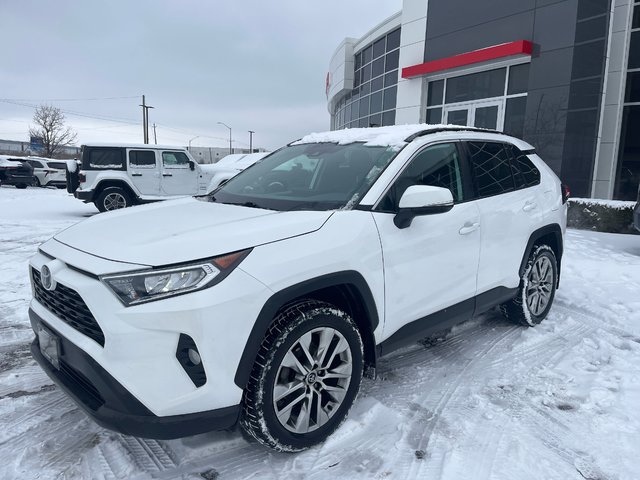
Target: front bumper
(140,343)
(111,405)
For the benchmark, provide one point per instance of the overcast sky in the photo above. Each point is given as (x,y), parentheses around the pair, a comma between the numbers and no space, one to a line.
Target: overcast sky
(254,65)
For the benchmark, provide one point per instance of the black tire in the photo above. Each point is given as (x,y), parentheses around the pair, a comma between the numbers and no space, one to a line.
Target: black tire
(60,187)
(22,186)
(38,184)
(113,198)
(525,308)
(310,319)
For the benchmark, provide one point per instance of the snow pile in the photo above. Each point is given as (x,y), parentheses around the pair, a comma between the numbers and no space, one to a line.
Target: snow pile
(615,204)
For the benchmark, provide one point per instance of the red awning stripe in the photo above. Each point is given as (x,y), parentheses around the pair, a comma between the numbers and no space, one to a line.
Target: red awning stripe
(521,47)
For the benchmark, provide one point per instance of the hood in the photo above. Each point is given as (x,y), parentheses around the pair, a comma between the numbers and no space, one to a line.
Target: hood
(183,230)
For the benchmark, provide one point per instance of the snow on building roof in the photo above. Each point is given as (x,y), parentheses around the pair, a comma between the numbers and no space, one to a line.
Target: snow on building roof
(393,136)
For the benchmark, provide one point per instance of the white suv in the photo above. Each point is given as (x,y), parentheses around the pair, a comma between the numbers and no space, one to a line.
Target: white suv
(115,176)
(265,302)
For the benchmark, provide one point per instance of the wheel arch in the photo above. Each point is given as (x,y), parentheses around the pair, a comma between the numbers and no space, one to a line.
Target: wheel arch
(116,183)
(548,235)
(347,290)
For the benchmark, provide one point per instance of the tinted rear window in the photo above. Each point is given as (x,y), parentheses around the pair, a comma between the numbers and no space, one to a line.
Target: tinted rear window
(103,158)
(491,168)
(525,173)
(58,165)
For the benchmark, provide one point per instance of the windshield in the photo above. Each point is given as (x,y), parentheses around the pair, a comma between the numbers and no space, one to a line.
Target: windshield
(313,176)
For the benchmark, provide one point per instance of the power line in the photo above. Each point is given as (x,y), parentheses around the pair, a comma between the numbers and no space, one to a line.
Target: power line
(78,114)
(65,99)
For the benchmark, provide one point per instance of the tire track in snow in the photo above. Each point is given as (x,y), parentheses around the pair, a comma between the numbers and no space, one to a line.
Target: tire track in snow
(418,466)
(149,455)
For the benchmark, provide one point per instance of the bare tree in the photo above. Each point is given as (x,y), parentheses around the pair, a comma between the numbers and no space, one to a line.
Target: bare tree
(50,127)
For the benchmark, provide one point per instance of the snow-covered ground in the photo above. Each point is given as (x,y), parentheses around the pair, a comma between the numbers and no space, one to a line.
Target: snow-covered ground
(487,400)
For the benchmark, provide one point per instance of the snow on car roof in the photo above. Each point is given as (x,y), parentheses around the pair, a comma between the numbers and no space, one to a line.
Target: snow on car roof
(141,146)
(392,136)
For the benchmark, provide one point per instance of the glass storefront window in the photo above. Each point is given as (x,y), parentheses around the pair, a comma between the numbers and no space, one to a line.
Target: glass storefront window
(435,92)
(634,50)
(434,115)
(389,118)
(391,79)
(514,116)
(392,60)
(376,102)
(494,99)
(518,79)
(633,88)
(378,48)
(375,69)
(366,55)
(377,84)
(476,86)
(389,98)
(393,40)
(629,157)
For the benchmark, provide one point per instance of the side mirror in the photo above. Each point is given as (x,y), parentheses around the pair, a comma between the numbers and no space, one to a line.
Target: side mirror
(420,200)
(192,165)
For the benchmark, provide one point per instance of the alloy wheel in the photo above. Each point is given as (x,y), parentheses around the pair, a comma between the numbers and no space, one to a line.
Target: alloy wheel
(114,201)
(540,285)
(312,380)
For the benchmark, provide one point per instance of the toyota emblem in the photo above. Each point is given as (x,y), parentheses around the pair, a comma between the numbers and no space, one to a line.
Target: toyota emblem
(47,280)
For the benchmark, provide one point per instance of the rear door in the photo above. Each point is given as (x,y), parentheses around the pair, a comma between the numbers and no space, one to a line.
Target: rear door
(177,176)
(144,171)
(508,214)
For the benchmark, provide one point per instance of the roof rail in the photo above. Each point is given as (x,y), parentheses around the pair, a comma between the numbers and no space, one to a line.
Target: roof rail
(429,131)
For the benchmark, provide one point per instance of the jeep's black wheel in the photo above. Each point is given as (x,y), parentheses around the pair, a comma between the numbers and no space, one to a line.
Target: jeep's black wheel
(22,186)
(112,198)
(537,289)
(305,379)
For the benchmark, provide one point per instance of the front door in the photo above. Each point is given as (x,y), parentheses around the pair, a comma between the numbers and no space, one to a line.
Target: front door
(432,264)
(478,114)
(177,176)
(144,172)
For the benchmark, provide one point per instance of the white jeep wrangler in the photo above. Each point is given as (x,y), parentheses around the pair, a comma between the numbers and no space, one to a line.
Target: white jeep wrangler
(114,176)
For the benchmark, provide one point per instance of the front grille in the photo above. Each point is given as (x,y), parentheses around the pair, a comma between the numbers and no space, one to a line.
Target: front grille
(69,307)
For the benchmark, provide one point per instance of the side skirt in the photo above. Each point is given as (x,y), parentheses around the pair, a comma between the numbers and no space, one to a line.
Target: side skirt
(445,319)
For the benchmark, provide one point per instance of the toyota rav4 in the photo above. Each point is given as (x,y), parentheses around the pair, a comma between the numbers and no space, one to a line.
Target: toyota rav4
(265,302)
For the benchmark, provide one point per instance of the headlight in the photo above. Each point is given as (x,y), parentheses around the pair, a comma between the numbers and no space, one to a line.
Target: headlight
(149,285)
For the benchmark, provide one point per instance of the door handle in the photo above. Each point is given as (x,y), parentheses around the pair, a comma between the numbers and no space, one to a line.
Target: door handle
(529,206)
(468,227)
(136,174)
(167,174)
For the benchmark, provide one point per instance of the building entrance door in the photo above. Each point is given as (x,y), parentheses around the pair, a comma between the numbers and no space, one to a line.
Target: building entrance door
(478,114)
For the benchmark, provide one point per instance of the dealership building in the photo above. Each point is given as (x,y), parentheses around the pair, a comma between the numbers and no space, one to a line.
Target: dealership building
(562,74)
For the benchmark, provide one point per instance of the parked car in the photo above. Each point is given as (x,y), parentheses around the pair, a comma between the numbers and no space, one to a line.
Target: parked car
(16,171)
(48,172)
(266,302)
(229,166)
(118,176)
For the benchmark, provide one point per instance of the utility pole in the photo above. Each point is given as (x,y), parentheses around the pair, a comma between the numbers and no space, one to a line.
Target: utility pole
(251,132)
(230,138)
(155,138)
(145,120)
